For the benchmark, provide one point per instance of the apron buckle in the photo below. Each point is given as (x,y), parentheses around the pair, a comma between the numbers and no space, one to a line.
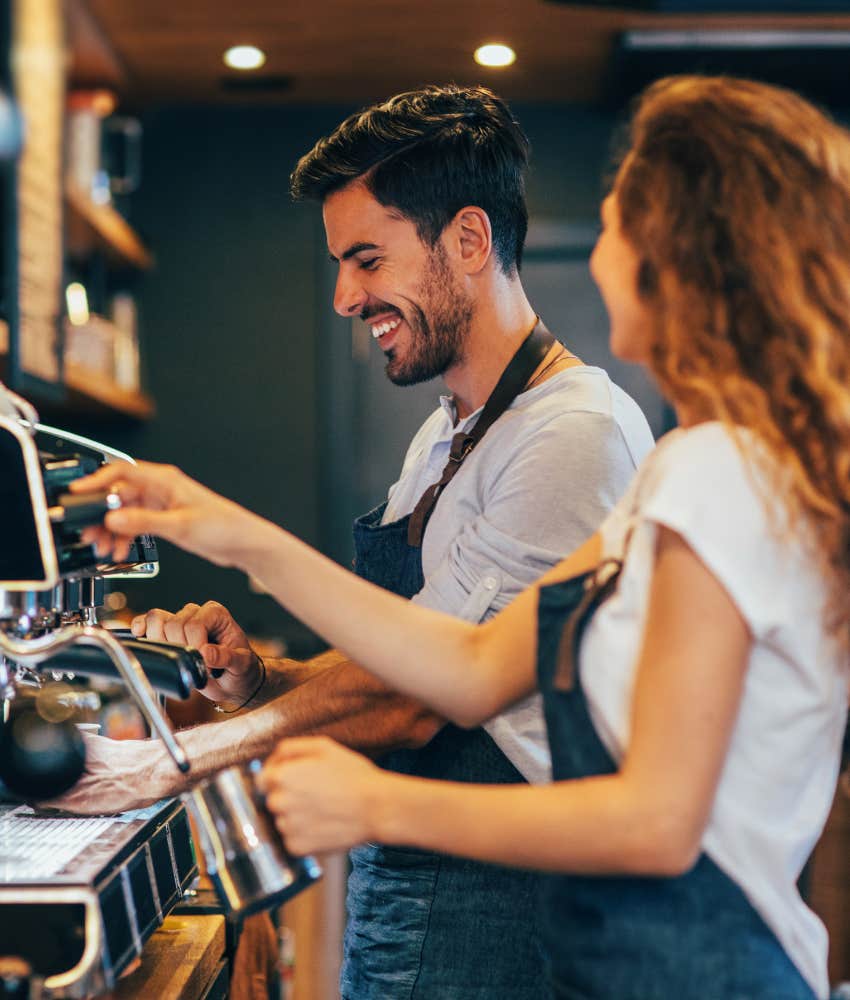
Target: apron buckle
(462,445)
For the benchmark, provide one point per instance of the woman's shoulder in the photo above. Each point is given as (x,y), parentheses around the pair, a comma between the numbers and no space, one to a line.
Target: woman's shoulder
(713,473)
(707,439)
(707,452)
(719,489)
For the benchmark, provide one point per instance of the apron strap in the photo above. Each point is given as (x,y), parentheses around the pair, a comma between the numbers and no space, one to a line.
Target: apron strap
(513,380)
(599,584)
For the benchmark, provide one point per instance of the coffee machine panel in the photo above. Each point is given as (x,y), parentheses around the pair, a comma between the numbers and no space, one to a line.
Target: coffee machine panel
(79,896)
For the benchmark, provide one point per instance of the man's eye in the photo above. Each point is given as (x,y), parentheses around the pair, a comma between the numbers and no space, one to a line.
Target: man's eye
(371,264)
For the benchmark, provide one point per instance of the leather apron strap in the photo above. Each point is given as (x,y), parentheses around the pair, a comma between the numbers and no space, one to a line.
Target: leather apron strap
(512,381)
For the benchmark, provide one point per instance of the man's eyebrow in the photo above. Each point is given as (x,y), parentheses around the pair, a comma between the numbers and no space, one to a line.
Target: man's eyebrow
(355,248)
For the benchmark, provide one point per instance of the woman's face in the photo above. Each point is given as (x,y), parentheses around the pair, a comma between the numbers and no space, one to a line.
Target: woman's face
(614,266)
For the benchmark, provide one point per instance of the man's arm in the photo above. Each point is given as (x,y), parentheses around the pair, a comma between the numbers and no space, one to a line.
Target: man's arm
(342,701)
(283,675)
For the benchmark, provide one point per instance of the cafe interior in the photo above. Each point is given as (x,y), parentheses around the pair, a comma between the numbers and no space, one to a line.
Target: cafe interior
(163,297)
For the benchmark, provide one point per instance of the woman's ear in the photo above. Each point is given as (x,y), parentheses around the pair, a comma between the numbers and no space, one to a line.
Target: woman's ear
(471,238)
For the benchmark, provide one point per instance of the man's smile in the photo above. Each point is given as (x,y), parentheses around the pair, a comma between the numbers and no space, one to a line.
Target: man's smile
(383,326)
(379,329)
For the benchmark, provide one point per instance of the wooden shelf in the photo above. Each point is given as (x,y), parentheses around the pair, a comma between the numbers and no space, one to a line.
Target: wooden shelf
(91,394)
(93,227)
(94,63)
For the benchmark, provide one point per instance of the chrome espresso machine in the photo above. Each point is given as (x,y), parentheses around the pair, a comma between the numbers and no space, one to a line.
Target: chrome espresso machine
(79,896)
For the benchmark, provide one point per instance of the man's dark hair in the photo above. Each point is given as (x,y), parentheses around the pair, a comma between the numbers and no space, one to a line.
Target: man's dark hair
(428,153)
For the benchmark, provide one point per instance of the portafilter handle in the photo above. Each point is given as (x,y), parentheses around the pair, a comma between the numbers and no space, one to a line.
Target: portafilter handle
(31,652)
(76,511)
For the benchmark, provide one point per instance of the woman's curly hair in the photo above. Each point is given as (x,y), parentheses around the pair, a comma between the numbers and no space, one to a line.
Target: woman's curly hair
(736,197)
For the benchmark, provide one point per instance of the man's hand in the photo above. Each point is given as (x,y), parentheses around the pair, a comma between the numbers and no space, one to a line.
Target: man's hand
(211,629)
(322,796)
(119,775)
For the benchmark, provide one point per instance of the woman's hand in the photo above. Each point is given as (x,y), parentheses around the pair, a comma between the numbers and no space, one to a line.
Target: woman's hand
(322,796)
(161,500)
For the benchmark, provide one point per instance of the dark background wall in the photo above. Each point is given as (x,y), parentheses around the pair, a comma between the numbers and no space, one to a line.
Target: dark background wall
(236,318)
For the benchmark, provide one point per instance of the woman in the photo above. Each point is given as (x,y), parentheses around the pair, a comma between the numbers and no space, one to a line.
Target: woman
(695,684)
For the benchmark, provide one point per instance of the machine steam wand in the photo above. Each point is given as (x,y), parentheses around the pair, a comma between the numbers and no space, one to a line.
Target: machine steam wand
(31,652)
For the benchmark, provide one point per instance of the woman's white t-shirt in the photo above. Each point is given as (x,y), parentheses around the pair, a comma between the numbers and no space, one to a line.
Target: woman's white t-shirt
(780,772)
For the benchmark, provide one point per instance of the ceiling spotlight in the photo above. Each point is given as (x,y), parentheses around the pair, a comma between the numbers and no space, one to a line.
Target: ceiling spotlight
(494,54)
(244,57)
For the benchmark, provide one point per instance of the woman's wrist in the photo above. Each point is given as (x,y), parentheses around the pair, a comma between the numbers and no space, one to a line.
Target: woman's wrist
(256,543)
(389,809)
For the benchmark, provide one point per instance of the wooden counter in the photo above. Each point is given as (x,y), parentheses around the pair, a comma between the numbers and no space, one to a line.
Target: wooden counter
(181,961)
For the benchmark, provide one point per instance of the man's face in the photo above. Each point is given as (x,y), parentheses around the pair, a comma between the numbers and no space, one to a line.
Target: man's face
(407,293)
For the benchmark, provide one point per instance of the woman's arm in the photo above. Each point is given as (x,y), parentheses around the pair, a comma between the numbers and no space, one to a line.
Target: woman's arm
(647,818)
(467,673)
(464,672)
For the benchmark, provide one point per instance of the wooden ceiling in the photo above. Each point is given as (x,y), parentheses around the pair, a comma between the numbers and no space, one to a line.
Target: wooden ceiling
(345,51)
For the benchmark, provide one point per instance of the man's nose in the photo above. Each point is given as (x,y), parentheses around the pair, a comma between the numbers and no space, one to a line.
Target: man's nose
(349,296)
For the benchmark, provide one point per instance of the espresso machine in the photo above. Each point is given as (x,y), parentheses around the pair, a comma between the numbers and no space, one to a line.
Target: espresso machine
(79,896)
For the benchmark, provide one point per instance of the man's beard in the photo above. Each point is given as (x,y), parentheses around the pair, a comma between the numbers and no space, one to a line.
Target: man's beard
(436,341)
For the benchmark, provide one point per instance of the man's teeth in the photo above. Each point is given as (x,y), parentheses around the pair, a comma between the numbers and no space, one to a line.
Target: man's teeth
(380,329)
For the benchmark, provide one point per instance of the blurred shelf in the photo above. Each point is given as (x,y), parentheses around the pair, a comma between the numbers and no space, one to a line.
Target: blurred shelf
(92,227)
(94,63)
(91,394)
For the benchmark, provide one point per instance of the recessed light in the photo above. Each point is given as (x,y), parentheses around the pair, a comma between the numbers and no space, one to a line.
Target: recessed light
(244,57)
(494,54)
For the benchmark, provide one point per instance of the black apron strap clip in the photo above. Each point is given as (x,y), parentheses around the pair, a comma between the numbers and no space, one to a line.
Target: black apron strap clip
(462,445)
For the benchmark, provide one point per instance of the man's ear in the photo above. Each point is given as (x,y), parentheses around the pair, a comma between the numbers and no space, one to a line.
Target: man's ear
(471,238)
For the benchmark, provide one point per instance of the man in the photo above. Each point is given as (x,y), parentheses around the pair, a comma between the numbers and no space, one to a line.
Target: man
(424,212)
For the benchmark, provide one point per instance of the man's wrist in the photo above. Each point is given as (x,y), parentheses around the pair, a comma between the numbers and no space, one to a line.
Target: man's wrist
(256,686)
(165,778)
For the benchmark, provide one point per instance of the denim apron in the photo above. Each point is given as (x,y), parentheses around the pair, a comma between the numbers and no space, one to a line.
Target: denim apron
(693,937)
(425,926)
